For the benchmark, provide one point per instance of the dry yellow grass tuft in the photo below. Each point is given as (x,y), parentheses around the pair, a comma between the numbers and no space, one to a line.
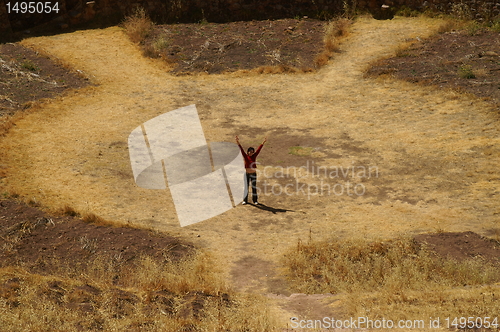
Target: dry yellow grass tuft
(68,210)
(449,25)
(138,25)
(334,31)
(88,217)
(92,218)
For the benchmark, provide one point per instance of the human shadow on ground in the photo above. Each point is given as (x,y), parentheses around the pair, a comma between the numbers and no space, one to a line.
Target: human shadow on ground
(270,209)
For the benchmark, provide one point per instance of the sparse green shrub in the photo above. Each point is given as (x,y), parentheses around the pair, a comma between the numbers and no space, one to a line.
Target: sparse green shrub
(473,28)
(495,25)
(161,43)
(28,64)
(465,71)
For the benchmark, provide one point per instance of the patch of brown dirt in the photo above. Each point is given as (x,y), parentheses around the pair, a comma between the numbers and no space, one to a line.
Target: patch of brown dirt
(27,76)
(252,274)
(42,242)
(458,60)
(215,48)
(288,149)
(462,245)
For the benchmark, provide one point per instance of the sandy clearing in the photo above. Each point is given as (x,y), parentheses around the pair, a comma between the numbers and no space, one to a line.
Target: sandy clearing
(436,151)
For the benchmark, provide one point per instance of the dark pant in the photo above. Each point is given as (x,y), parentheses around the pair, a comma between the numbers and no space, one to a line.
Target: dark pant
(251,177)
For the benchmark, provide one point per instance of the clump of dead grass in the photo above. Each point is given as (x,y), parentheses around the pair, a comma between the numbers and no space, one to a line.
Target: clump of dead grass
(400,278)
(335,30)
(88,217)
(450,25)
(138,26)
(403,50)
(354,265)
(93,218)
(113,295)
(68,210)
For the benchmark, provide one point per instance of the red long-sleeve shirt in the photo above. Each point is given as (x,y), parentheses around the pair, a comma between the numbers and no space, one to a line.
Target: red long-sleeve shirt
(250,160)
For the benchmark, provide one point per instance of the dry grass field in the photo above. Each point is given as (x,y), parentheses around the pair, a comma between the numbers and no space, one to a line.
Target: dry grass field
(415,160)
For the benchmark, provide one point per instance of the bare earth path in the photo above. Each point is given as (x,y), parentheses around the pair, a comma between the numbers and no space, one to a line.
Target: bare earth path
(436,152)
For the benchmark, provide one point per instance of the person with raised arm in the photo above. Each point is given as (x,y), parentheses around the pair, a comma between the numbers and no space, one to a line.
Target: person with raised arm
(250,158)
